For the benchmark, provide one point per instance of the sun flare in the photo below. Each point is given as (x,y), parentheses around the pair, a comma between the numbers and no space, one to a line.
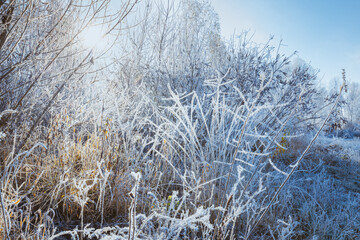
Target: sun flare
(93,37)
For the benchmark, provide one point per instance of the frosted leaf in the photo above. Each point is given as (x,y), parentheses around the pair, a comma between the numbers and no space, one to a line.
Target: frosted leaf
(2,135)
(137,176)
(262,76)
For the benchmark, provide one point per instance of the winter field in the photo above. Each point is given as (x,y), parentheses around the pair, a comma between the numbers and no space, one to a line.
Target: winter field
(144,123)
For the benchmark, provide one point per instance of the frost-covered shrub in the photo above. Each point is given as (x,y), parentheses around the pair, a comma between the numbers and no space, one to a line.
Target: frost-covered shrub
(185,137)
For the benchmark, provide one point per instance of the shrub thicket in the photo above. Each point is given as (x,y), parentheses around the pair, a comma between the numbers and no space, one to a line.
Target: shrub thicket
(183,136)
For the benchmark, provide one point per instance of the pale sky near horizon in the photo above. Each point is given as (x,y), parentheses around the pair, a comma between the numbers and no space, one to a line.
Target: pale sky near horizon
(325,33)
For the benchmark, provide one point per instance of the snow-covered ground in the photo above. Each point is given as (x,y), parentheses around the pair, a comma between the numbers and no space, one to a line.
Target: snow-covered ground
(350,147)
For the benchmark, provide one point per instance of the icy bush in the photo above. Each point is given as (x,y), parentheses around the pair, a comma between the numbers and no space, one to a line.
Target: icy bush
(183,137)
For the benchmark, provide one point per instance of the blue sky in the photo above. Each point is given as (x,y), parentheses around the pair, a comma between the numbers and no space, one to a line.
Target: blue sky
(326,33)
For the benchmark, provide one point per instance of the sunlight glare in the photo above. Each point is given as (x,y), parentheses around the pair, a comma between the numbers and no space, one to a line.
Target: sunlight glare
(93,37)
